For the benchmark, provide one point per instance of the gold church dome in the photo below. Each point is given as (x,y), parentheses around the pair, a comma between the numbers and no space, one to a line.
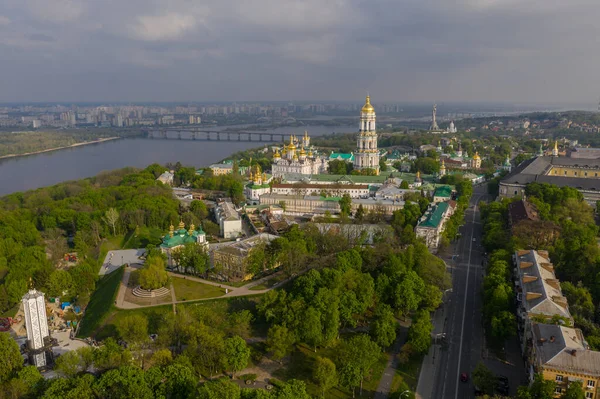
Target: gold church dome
(368,107)
(476,156)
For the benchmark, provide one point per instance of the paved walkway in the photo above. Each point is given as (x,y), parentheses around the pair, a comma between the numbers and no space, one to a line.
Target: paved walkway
(231,291)
(385,384)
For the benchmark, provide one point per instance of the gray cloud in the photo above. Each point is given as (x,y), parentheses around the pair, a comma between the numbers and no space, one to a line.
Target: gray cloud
(398,50)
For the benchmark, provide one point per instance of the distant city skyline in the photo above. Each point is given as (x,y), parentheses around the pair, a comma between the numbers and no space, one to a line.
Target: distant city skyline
(404,51)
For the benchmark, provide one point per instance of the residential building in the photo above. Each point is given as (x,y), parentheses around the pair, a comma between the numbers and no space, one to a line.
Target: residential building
(539,296)
(231,261)
(178,238)
(228,219)
(432,223)
(560,354)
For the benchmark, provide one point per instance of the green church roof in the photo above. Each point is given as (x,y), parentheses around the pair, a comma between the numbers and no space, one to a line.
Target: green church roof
(436,215)
(342,156)
(180,237)
(443,191)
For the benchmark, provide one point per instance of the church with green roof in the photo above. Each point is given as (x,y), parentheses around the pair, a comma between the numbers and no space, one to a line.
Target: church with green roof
(178,238)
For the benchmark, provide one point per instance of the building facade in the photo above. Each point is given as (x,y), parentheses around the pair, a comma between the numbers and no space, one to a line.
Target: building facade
(332,190)
(367,154)
(178,238)
(228,219)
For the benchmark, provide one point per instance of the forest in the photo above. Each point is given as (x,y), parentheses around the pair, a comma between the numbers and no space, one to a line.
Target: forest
(23,142)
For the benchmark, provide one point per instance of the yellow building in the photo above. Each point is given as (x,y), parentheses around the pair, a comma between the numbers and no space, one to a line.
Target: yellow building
(561,355)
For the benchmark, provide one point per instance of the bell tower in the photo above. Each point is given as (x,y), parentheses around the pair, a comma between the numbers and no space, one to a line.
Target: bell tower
(367,154)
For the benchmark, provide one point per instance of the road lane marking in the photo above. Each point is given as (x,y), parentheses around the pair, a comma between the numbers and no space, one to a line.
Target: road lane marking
(462,328)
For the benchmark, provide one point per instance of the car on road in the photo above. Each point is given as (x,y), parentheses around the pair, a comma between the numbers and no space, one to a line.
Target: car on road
(464,377)
(474,239)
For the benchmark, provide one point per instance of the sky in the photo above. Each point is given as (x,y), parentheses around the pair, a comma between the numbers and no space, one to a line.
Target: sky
(515,51)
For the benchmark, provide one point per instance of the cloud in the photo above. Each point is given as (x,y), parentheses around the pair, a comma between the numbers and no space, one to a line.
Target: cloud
(163,27)
(399,50)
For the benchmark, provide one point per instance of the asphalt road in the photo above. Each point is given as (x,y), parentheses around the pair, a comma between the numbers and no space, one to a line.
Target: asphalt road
(463,323)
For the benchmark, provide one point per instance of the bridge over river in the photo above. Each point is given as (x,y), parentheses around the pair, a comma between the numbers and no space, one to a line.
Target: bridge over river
(212,135)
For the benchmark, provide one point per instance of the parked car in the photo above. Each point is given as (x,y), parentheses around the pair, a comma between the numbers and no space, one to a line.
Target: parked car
(502,386)
(464,377)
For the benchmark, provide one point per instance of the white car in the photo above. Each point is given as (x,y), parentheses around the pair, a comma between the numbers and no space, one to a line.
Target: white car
(474,239)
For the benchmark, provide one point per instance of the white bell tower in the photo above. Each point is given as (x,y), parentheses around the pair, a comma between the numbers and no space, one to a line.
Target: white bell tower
(367,154)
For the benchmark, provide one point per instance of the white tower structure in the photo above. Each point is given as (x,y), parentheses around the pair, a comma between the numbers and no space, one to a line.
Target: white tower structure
(367,154)
(36,323)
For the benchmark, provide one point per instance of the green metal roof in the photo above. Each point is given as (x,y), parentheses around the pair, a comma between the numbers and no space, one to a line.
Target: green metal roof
(180,237)
(443,191)
(435,217)
(342,156)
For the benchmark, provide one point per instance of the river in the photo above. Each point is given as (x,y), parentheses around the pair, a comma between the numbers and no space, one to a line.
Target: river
(46,169)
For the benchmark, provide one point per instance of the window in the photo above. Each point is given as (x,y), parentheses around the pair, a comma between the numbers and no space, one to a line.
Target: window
(591,384)
(559,378)
(565,172)
(585,174)
(589,395)
(558,390)
(575,173)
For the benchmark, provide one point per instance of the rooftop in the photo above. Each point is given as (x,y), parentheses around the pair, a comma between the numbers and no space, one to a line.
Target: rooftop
(536,169)
(241,248)
(540,287)
(564,348)
(443,191)
(322,186)
(522,210)
(181,237)
(434,215)
(228,211)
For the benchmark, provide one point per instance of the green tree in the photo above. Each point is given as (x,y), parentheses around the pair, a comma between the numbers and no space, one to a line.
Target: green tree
(574,391)
(237,354)
(11,360)
(153,275)
(133,329)
(198,208)
(219,389)
(346,204)
(325,374)
(280,341)
(404,185)
(419,333)
(123,383)
(503,325)
(312,330)
(484,379)
(360,213)
(382,165)
(383,328)
(356,358)
(60,281)
(69,364)
(191,258)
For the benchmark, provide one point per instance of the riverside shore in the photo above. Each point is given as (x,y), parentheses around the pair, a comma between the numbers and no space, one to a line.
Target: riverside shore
(60,148)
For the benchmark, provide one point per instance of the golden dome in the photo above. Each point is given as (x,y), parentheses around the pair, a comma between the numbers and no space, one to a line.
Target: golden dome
(277,155)
(476,156)
(368,107)
(295,157)
(310,154)
(181,225)
(292,146)
(302,152)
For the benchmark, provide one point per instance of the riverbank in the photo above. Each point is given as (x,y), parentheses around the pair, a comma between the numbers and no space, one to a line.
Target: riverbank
(60,148)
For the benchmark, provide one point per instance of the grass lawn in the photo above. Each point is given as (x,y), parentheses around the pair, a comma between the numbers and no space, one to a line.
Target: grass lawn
(301,366)
(186,290)
(12,312)
(101,302)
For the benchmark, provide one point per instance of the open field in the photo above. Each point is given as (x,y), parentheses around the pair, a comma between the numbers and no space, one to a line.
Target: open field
(101,302)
